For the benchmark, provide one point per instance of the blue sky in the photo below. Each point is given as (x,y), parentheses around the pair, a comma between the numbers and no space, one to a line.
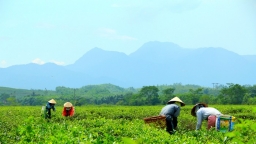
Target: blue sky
(61,31)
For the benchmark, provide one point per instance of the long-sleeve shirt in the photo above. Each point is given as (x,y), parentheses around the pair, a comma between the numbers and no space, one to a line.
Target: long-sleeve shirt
(203,114)
(68,112)
(49,106)
(172,110)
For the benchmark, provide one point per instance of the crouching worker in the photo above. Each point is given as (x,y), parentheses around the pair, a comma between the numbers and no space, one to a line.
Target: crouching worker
(50,105)
(202,112)
(171,111)
(68,109)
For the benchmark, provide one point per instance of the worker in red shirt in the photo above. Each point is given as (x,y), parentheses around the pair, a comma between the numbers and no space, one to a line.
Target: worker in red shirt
(68,109)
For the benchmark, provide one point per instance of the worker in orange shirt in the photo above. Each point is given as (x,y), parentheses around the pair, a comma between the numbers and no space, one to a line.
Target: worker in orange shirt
(68,109)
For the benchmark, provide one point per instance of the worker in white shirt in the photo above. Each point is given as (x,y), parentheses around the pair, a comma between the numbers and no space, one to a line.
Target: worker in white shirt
(203,112)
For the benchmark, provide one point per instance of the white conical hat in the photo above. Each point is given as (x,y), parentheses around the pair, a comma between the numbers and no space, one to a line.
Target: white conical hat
(68,104)
(193,112)
(52,101)
(176,99)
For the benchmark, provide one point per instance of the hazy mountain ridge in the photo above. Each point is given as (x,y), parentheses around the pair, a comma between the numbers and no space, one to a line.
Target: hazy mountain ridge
(154,63)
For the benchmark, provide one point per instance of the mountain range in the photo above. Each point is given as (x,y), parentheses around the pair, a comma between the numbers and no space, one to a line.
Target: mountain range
(154,63)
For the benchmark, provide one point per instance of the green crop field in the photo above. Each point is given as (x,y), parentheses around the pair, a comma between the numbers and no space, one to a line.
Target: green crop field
(118,124)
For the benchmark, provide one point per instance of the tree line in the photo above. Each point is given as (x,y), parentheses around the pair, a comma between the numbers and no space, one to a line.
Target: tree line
(148,95)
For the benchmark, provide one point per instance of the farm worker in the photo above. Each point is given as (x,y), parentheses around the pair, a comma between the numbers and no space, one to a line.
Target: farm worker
(171,111)
(68,109)
(50,105)
(203,112)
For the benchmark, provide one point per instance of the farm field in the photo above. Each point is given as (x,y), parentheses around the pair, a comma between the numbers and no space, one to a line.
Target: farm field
(118,124)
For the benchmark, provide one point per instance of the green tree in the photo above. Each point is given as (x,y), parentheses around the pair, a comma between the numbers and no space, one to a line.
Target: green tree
(252,101)
(127,98)
(246,98)
(137,100)
(195,95)
(234,93)
(222,99)
(167,95)
(186,98)
(205,99)
(11,100)
(252,90)
(150,93)
(3,98)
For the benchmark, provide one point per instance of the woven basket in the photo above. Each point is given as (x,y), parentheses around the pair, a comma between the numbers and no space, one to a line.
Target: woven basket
(158,121)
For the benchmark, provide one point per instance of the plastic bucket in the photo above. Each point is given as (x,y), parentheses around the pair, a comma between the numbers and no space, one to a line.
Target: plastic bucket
(232,124)
(225,123)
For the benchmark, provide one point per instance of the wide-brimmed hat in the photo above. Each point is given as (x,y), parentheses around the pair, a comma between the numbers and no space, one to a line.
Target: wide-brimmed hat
(176,99)
(68,104)
(193,113)
(52,101)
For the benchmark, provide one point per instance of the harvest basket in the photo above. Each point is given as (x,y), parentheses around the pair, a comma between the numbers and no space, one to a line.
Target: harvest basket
(225,123)
(158,121)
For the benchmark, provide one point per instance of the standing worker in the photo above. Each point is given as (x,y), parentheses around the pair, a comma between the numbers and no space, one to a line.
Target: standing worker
(171,111)
(203,112)
(68,109)
(50,105)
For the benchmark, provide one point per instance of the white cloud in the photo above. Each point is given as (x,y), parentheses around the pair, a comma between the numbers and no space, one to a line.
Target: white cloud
(58,62)
(3,63)
(112,34)
(41,62)
(38,61)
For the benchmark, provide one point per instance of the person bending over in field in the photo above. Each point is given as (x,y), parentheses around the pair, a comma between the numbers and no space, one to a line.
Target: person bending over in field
(202,112)
(50,105)
(171,111)
(68,109)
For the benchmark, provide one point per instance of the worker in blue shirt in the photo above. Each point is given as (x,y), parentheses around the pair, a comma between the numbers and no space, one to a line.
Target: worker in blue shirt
(50,105)
(202,112)
(171,111)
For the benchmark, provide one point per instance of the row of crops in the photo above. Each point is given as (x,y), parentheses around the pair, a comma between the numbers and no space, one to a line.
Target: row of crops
(118,124)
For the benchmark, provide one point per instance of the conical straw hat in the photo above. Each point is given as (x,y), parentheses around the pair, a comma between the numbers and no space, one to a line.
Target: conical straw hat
(52,101)
(67,104)
(193,113)
(176,99)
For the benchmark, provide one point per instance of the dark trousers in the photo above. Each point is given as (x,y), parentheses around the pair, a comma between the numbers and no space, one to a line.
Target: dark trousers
(48,113)
(171,124)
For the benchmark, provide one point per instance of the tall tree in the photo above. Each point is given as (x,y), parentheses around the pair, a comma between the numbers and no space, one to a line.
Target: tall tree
(205,99)
(196,94)
(150,93)
(167,95)
(246,98)
(3,98)
(12,100)
(234,93)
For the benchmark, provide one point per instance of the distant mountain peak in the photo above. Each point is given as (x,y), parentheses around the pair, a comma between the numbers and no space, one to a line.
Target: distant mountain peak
(152,64)
(95,49)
